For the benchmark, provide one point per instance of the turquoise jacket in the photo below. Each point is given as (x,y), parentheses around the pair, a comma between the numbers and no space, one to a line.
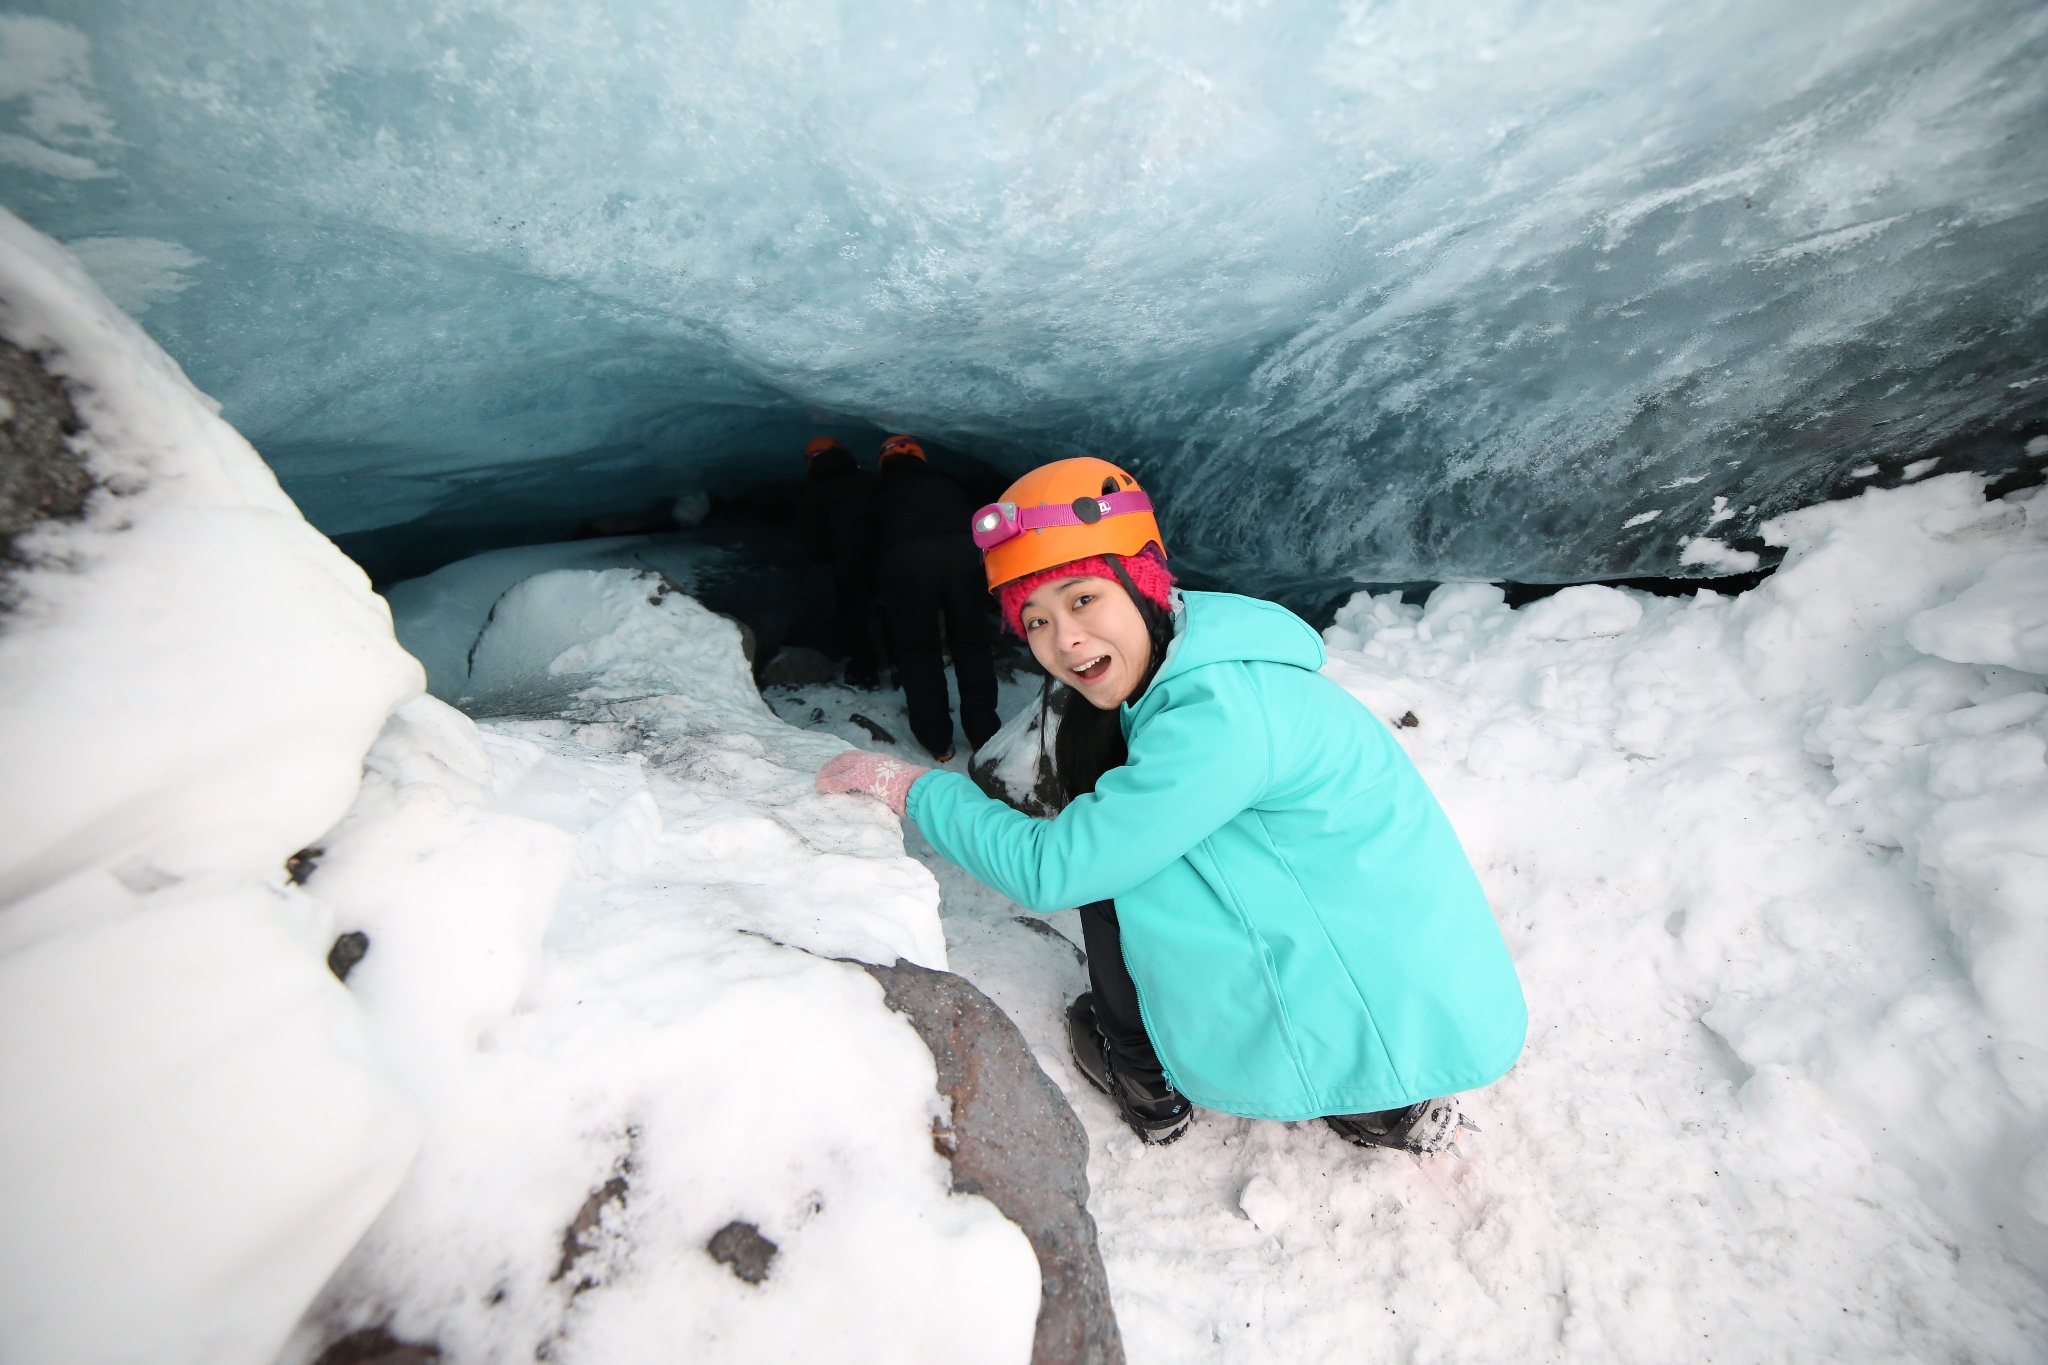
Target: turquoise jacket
(1306,934)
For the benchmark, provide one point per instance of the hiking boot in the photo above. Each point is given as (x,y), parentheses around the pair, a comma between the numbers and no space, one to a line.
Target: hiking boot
(1421,1128)
(1156,1112)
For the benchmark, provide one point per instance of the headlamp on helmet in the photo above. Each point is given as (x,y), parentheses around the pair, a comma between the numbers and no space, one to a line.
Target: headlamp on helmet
(1062,512)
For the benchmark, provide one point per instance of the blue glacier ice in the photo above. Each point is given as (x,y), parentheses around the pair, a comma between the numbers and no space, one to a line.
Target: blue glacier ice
(1539,289)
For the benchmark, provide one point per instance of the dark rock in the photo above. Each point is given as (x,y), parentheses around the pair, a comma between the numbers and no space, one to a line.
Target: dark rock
(1029,732)
(880,733)
(640,521)
(748,645)
(376,1346)
(1044,930)
(349,949)
(1015,1141)
(742,1247)
(302,864)
(41,476)
(1407,721)
(795,666)
(581,1237)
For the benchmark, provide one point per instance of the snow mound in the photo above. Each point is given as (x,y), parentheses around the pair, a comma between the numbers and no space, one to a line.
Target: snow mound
(584,922)
(2002,619)
(1810,825)
(1580,613)
(439,616)
(198,1126)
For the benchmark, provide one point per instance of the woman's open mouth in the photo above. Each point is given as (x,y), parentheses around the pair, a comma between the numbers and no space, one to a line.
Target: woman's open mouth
(1095,670)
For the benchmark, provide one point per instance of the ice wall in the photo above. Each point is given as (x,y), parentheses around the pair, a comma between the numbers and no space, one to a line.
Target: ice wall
(1391,290)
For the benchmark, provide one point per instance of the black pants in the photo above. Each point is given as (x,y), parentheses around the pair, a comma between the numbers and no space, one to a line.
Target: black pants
(854,598)
(1116,995)
(920,582)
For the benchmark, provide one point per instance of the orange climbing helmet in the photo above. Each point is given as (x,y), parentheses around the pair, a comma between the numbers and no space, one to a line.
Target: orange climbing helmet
(1061,512)
(818,446)
(899,445)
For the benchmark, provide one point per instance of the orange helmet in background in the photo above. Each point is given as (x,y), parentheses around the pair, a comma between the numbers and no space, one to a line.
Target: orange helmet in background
(818,446)
(899,445)
(1061,512)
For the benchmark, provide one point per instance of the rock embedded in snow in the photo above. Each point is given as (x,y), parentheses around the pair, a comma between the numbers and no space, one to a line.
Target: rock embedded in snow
(1013,1138)
(796,666)
(375,1346)
(587,1233)
(41,476)
(349,949)
(741,1248)
(1016,765)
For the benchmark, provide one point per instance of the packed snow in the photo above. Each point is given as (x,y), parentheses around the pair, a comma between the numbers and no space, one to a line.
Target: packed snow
(602,944)
(439,616)
(198,1126)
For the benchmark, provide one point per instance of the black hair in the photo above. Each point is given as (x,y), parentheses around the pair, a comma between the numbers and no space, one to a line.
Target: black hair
(1090,741)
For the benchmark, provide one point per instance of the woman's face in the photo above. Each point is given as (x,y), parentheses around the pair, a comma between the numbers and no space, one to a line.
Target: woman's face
(1087,633)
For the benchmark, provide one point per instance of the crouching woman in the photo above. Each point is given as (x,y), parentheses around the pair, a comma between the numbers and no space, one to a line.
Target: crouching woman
(1280,922)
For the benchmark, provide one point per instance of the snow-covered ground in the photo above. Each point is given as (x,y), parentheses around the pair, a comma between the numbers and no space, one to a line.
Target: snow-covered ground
(1774,870)
(601,931)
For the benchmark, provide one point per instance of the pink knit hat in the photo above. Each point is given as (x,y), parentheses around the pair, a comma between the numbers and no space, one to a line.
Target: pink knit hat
(1149,575)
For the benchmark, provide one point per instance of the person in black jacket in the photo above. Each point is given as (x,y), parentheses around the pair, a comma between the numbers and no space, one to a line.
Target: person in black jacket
(837,518)
(928,568)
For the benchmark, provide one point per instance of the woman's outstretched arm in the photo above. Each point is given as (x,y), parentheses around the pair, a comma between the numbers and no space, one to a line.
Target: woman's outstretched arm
(1197,763)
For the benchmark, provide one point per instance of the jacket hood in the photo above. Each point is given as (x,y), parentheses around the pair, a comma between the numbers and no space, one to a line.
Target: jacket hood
(1221,627)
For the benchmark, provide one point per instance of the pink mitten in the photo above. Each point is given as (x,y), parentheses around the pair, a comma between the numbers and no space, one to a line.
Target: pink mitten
(877,775)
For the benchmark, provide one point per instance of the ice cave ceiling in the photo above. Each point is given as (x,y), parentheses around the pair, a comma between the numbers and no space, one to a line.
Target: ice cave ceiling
(1390,290)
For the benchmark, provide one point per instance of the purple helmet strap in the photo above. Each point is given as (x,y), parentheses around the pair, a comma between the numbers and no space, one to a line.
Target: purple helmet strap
(1063,514)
